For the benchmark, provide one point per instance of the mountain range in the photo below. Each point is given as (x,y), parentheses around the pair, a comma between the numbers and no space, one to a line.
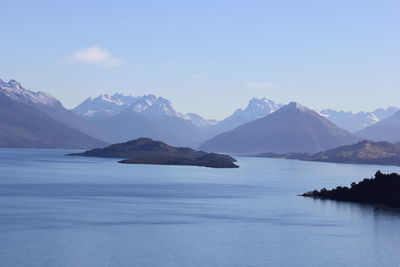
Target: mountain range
(292,128)
(119,109)
(354,122)
(118,118)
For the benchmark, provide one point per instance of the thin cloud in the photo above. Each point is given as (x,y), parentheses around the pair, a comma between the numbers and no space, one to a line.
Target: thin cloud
(195,76)
(96,56)
(258,84)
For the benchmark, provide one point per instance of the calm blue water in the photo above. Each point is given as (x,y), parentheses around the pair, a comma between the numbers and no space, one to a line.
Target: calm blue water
(75,211)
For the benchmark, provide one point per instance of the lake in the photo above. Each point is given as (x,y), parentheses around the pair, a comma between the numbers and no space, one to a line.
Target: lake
(74,211)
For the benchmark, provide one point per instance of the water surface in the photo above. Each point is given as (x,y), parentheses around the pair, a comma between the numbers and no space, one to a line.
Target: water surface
(75,211)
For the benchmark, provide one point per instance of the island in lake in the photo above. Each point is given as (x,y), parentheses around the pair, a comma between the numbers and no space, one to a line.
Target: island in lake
(148,151)
(382,189)
(364,152)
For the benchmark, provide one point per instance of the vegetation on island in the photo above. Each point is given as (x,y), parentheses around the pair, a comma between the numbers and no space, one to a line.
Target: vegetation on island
(381,189)
(148,151)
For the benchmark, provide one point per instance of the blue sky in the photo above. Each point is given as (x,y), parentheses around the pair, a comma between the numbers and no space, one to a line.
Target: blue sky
(208,57)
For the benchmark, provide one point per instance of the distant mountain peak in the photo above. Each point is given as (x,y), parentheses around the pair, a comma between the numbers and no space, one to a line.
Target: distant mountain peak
(108,98)
(16,92)
(106,105)
(255,109)
(118,94)
(199,121)
(295,106)
(356,121)
(14,84)
(261,103)
(153,106)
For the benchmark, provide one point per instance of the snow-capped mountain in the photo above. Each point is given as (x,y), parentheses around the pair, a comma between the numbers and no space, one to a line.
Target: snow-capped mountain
(148,105)
(16,92)
(256,108)
(350,121)
(383,113)
(104,105)
(354,122)
(199,121)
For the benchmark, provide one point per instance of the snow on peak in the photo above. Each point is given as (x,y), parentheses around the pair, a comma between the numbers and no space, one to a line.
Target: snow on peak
(110,105)
(257,108)
(148,105)
(108,98)
(2,83)
(352,121)
(297,106)
(152,105)
(14,84)
(15,91)
(383,113)
(199,121)
(104,105)
(262,104)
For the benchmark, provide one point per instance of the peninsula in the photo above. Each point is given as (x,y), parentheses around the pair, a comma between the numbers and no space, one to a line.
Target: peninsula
(364,152)
(383,189)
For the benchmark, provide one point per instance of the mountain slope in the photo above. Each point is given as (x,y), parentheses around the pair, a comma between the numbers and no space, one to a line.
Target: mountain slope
(124,126)
(26,127)
(291,129)
(46,103)
(128,125)
(385,130)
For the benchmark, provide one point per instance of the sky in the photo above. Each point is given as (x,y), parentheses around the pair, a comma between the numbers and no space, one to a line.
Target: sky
(208,57)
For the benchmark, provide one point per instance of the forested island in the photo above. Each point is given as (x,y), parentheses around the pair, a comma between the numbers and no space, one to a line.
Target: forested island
(148,151)
(381,189)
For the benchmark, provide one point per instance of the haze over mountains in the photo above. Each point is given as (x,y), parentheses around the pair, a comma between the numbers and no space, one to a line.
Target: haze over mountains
(354,122)
(385,130)
(155,117)
(118,118)
(292,128)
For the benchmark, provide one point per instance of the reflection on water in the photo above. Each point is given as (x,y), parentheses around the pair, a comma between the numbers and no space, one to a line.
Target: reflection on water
(72,211)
